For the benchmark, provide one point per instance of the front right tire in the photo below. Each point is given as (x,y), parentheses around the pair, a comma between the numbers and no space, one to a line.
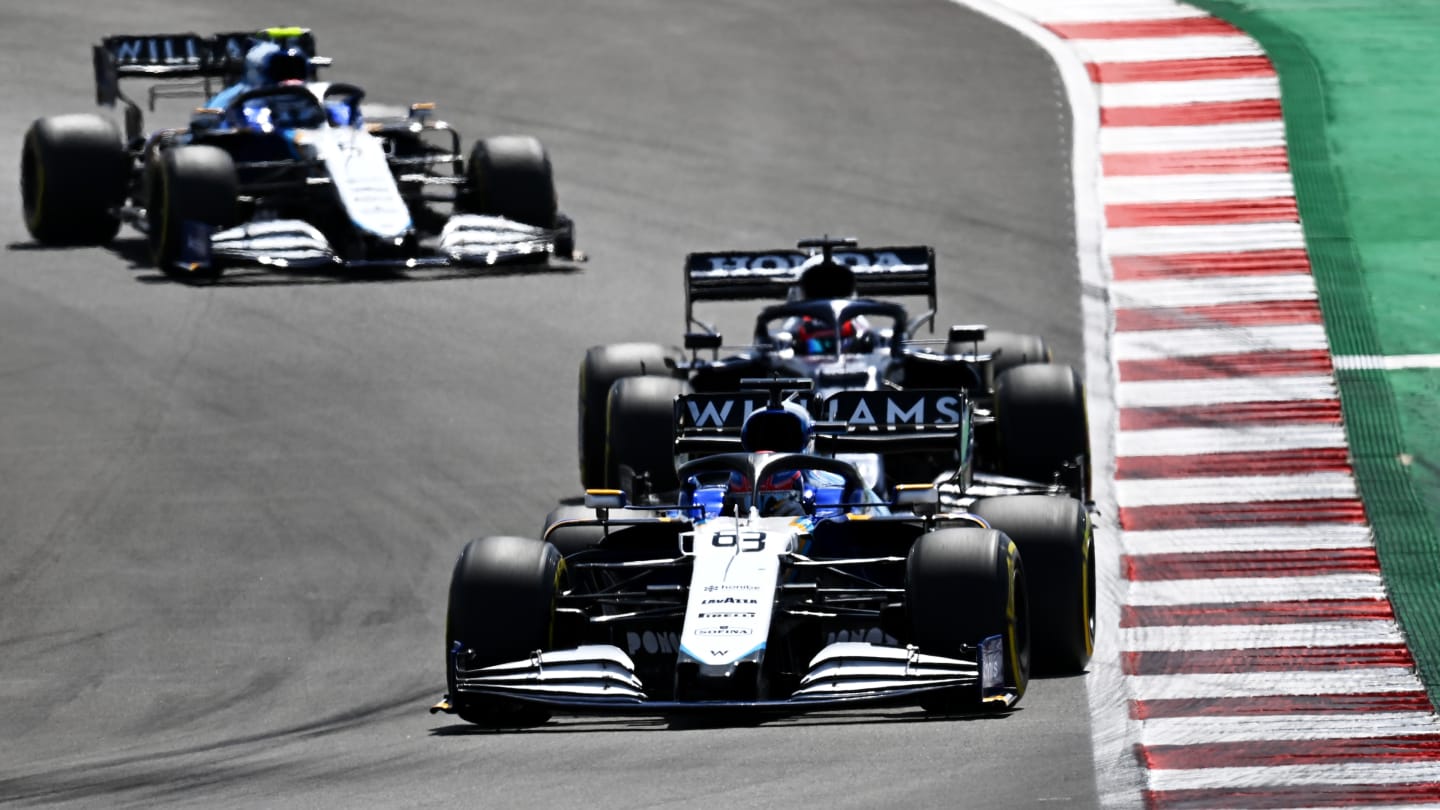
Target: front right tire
(510,176)
(963,585)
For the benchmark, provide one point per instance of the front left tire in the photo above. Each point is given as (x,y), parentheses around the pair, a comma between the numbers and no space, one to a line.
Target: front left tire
(501,609)
(188,184)
(74,173)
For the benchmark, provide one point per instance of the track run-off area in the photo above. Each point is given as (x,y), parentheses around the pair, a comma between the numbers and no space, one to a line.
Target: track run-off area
(230,513)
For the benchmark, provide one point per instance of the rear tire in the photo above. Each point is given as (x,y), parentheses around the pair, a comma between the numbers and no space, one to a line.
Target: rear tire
(1057,543)
(1042,428)
(601,368)
(510,176)
(640,430)
(502,606)
(962,586)
(74,173)
(1011,349)
(194,184)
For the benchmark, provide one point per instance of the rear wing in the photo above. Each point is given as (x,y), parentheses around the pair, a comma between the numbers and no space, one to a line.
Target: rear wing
(182,56)
(773,274)
(846,421)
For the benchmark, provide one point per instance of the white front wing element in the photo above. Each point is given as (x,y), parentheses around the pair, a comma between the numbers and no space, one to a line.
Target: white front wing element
(480,239)
(277,242)
(597,671)
(859,668)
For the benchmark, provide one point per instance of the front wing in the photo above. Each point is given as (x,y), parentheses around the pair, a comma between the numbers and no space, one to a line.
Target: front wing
(469,240)
(601,679)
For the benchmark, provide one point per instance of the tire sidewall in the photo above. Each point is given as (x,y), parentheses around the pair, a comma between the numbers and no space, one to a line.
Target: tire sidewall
(1056,539)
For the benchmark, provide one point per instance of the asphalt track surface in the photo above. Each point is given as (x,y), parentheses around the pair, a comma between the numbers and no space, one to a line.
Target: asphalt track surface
(228,515)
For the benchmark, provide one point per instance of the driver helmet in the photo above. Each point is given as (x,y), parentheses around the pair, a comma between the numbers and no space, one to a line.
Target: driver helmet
(268,64)
(814,336)
(780,493)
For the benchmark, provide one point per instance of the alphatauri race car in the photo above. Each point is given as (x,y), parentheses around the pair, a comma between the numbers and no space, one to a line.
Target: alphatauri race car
(283,174)
(1029,423)
(778,582)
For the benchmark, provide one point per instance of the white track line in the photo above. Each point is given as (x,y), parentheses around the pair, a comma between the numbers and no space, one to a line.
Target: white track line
(1247,538)
(1163,240)
(1165,343)
(1380,680)
(1219,392)
(1151,49)
(1368,772)
(1170,94)
(1191,138)
(1268,589)
(1062,11)
(1260,636)
(1398,362)
(1348,726)
(1204,441)
(1210,291)
(1194,187)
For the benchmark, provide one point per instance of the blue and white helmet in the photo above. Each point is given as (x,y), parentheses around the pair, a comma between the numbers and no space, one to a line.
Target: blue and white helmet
(268,64)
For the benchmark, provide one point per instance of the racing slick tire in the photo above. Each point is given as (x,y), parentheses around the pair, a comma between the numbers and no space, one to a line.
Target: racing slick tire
(1042,429)
(1056,541)
(1011,349)
(572,527)
(963,585)
(601,368)
(502,607)
(74,172)
(559,529)
(640,431)
(510,176)
(188,183)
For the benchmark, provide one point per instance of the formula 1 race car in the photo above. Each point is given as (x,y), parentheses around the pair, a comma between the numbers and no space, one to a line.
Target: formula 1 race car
(777,583)
(1030,420)
(289,173)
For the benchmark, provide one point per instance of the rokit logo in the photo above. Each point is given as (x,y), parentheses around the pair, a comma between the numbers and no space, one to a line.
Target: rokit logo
(651,643)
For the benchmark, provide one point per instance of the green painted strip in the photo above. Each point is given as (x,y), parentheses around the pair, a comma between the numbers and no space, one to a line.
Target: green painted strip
(1332,108)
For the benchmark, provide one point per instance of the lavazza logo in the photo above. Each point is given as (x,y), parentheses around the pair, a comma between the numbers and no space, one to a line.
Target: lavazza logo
(730,600)
(789,261)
